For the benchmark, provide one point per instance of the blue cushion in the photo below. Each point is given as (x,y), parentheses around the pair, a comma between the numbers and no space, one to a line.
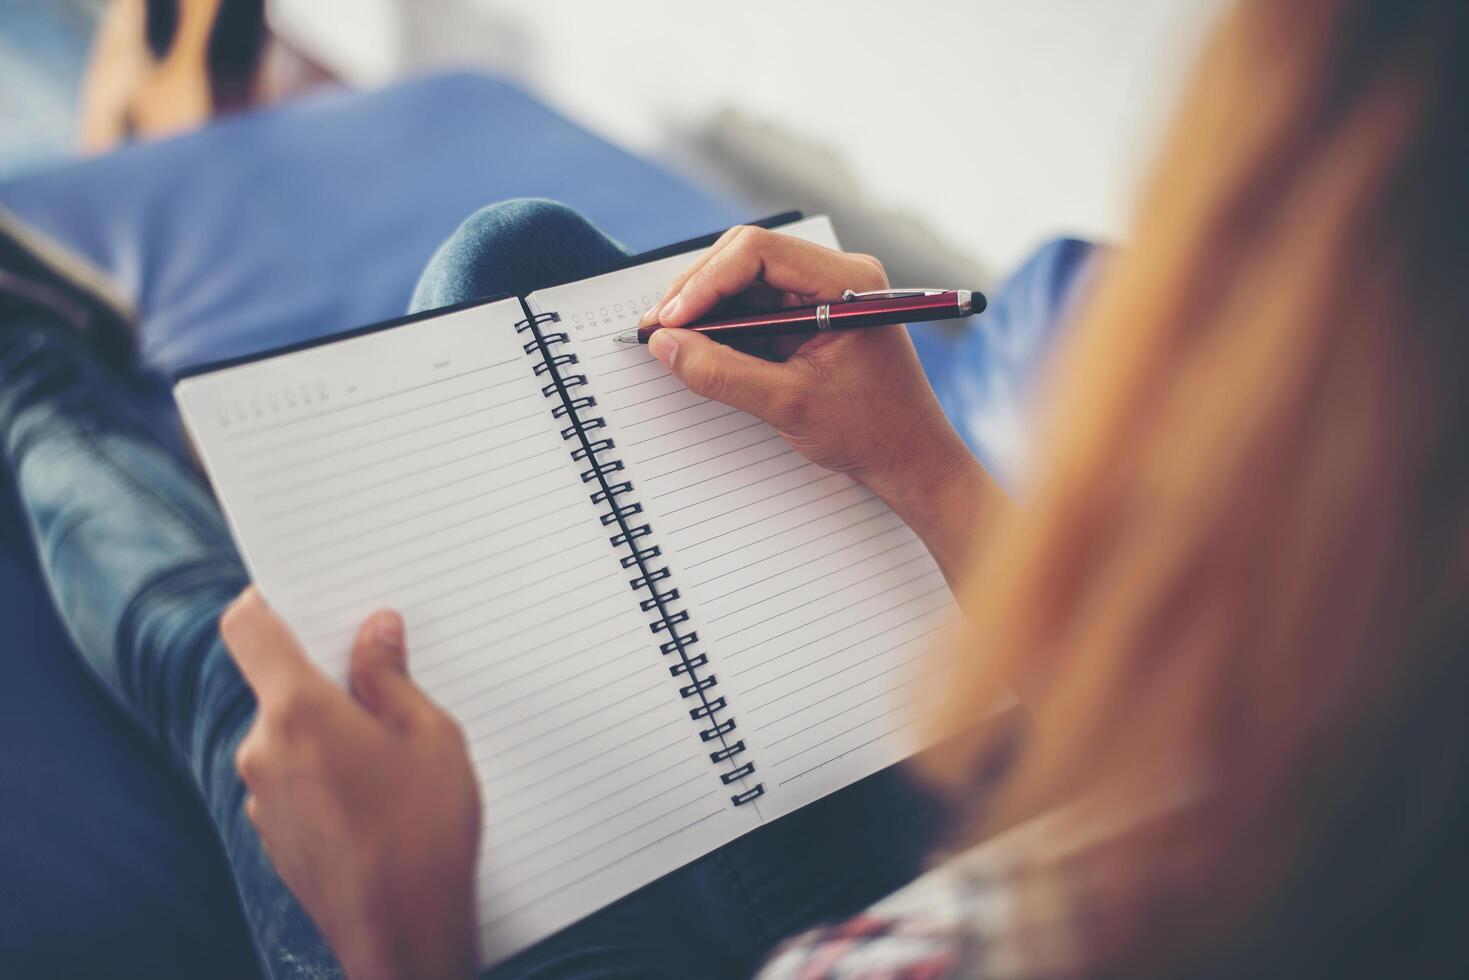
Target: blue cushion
(318,215)
(257,231)
(985,372)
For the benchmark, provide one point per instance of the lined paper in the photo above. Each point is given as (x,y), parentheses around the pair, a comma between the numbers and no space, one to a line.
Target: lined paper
(819,609)
(420,468)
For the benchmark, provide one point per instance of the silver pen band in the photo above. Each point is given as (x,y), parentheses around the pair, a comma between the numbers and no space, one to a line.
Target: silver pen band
(823,317)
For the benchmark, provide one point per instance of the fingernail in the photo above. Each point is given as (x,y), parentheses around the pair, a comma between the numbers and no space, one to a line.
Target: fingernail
(664,346)
(388,629)
(669,310)
(650,316)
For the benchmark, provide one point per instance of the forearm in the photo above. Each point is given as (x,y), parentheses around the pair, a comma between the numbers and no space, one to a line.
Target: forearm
(947,498)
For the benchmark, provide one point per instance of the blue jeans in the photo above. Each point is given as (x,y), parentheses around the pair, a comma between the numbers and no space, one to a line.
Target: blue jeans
(140,564)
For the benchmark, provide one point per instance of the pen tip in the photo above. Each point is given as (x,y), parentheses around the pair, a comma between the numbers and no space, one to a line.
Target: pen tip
(630,337)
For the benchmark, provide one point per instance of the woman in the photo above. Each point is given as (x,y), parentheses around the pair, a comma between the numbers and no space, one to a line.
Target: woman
(1234,601)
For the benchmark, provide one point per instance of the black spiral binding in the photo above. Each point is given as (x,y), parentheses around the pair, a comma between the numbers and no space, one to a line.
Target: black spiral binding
(611,492)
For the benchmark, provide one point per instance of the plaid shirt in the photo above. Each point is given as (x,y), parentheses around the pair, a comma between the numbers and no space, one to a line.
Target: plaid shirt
(1016,907)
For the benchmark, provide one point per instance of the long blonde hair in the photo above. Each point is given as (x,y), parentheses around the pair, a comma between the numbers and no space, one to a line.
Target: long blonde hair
(1246,553)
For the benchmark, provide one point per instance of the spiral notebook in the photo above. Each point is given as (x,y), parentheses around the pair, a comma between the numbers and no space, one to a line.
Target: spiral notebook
(659,626)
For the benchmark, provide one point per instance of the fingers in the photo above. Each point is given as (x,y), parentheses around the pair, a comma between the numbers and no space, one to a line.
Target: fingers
(380,671)
(747,255)
(265,649)
(763,388)
(678,283)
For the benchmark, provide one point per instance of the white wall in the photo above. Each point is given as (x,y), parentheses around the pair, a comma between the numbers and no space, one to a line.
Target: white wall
(1013,119)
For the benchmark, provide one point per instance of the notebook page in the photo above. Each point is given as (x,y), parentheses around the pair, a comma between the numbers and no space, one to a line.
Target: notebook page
(419,468)
(819,609)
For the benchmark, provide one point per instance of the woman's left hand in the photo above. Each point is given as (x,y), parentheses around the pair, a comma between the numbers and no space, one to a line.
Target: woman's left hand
(366,802)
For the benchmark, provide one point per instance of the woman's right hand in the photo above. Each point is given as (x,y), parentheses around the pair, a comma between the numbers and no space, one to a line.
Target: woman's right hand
(853,401)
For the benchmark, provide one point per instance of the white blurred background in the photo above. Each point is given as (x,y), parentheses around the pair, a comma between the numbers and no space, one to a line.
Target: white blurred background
(957,131)
(947,136)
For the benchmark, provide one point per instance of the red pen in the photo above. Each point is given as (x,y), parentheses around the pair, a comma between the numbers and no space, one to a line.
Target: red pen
(854,310)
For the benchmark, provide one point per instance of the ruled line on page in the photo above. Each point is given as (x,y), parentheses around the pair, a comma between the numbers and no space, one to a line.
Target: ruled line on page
(335,409)
(273,428)
(702,773)
(854,749)
(658,438)
(745,546)
(622,659)
(764,479)
(440,553)
(502,774)
(699,442)
(846,731)
(840,590)
(360,487)
(622,789)
(741,504)
(636,364)
(454,524)
(767,597)
(396,415)
(845,712)
(835,531)
(461,585)
(657,376)
(465,694)
(801,560)
(608,353)
(394,458)
(542,456)
(803,665)
(317,458)
(838,673)
(560,886)
(521,857)
(714,476)
(810,661)
(602,771)
(652,438)
(728,452)
(477,494)
(675,387)
(471,658)
(618,710)
(480,624)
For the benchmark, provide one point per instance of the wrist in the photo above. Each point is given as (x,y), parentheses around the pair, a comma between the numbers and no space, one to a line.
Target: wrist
(944,470)
(944,496)
(433,950)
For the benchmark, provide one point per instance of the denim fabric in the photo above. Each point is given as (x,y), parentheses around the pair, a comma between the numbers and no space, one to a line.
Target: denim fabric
(514,247)
(985,373)
(140,565)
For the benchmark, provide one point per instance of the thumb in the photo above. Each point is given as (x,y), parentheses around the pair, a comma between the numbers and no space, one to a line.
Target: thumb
(380,678)
(719,372)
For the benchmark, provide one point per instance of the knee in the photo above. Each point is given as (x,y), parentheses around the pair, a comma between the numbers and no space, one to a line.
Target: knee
(518,220)
(514,247)
(500,245)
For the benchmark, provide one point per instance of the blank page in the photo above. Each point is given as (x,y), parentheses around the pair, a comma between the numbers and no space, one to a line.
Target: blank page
(419,468)
(818,607)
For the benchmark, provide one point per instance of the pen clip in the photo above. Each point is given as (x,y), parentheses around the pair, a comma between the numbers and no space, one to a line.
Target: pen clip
(849,296)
